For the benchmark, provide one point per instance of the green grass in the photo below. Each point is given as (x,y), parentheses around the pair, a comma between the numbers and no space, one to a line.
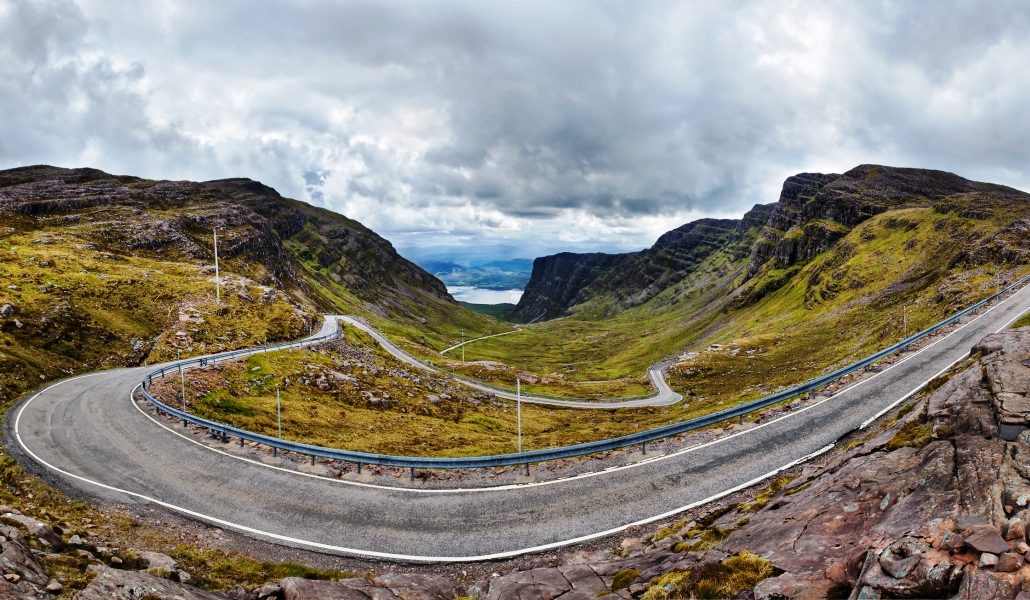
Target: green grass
(498,311)
(724,579)
(427,414)
(844,304)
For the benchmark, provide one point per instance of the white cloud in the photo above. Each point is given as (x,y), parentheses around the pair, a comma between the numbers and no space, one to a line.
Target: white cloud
(591,125)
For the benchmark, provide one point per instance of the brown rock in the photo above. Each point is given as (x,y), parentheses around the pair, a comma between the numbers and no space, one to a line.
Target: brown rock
(537,584)
(897,566)
(640,562)
(1007,376)
(1009,562)
(115,584)
(795,587)
(269,590)
(38,529)
(296,588)
(987,539)
(583,580)
(156,560)
(414,586)
(987,560)
(984,585)
(1015,529)
(951,541)
(18,560)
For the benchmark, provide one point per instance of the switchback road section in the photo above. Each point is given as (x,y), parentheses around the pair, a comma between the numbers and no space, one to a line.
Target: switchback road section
(86,432)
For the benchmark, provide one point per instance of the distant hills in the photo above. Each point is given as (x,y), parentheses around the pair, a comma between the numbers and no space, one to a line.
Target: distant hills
(511,274)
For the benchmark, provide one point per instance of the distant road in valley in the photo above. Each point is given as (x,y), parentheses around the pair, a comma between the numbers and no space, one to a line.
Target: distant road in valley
(664,397)
(86,434)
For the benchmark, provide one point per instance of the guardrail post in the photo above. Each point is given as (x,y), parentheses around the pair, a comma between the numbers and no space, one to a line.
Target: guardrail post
(412,473)
(740,421)
(643,448)
(275,451)
(359,468)
(527,469)
(312,460)
(241,441)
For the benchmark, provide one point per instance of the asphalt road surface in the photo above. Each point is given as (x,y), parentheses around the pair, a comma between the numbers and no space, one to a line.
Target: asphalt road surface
(87,433)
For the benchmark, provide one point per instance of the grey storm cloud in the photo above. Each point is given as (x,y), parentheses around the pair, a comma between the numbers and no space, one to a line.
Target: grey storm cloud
(602,123)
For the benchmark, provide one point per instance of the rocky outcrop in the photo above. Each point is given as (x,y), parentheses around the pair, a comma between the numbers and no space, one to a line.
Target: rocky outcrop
(934,506)
(563,281)
(813,213)
(131,585)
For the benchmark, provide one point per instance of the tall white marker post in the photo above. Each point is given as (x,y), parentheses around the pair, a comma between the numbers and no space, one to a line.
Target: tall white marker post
(279,413)
(462,346)
(905,309)
(518,387)
(218,281)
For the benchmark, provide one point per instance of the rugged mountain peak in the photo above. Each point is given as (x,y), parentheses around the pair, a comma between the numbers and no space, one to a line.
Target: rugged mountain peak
(813,212)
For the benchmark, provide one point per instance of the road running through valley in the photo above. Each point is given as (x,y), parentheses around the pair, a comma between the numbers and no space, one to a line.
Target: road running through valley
(86,435)
(664,397)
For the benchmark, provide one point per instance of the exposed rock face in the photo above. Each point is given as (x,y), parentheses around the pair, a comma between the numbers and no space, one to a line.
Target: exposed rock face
(928,521)
(565,280)
(813,213)
(132,585)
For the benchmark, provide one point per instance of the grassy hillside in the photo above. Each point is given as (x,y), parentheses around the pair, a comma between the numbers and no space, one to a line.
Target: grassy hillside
(926,240)
(100,270)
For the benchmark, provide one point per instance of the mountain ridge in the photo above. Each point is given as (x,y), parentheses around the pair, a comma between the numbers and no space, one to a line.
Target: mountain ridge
(813,212)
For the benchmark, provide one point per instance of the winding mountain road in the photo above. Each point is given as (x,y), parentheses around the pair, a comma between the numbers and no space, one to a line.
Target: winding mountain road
(86,433)
(664,397)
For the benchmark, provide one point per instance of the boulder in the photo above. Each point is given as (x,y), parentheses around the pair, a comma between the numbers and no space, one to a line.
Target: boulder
(539,584)
(38,529)
(297,588)
(17,559)
(415,586)
(1009,562)
(1015,529)
(987,539)
(983,585)
(112,584)
(6,309)
(269,590)
(156,560)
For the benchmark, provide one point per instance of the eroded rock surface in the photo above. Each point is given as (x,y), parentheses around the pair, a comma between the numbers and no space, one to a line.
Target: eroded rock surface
(943,514)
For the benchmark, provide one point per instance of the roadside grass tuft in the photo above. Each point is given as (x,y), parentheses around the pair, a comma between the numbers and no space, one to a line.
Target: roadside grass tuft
(913,434)
(624,578)
(714,580)
(217,569)
(765,496)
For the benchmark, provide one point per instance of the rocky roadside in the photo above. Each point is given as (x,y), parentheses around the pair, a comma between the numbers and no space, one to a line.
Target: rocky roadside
(934,504)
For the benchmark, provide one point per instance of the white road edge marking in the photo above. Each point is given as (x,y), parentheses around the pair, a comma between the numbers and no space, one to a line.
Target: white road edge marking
(389,555)
(495,556)
(871,420)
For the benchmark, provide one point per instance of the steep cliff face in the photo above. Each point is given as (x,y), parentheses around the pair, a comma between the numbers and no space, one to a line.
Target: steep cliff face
(565,280)
(813,213)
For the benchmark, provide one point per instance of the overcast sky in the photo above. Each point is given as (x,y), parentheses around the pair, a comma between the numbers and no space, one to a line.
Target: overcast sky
(580,125)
